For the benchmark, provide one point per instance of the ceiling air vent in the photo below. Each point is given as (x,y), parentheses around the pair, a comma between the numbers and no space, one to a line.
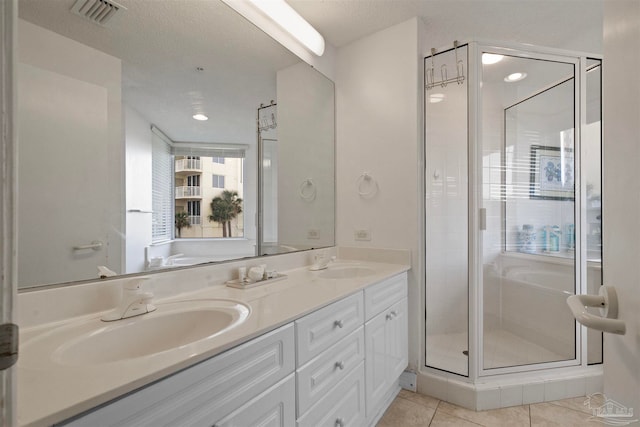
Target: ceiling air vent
(97,11)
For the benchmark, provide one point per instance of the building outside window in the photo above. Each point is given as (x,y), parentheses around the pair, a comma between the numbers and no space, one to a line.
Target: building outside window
(200,179)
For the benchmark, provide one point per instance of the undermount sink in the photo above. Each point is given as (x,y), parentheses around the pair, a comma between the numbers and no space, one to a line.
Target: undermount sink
(172,326)
(346,271)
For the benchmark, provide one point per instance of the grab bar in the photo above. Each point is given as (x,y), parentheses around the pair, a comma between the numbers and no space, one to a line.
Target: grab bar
(95,245)
(607,300)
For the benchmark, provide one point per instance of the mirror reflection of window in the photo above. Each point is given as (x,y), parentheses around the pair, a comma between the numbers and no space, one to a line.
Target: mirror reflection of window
(219,178)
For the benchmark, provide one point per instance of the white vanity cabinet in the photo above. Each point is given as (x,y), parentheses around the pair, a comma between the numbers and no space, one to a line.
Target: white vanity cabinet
(337,366)
(386,341)
(207,393)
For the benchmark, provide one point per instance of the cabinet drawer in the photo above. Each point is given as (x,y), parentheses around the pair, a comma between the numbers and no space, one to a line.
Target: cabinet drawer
(382,295)
(322,373)
(206,392)
(273,408)
(343,406)
(321,329)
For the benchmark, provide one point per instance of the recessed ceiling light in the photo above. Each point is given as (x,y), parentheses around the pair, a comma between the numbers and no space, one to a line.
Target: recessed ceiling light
(200,117)
(515,77)
(491,58)
(436,97)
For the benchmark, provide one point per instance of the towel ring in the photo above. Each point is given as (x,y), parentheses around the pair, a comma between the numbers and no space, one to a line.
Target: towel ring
(367,186)
(310,193)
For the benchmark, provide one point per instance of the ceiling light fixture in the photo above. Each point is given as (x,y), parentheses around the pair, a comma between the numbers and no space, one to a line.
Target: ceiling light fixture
(515,77)
(200,117)
(265,13)
(491,58)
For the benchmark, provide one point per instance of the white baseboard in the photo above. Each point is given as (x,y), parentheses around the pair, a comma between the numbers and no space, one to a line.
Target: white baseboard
(409,381)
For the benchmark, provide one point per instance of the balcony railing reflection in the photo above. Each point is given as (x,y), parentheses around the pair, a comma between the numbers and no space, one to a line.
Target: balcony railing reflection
(188,192)
(188,165)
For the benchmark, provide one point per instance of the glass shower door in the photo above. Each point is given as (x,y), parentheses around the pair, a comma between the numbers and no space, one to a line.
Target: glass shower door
(447,190)
(528,210)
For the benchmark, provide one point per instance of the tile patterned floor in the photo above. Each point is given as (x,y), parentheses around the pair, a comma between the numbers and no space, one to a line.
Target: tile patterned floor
(415,410)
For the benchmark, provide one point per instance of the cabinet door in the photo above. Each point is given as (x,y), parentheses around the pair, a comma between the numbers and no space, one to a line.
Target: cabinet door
(386,344)
(397,339)
(276,407)
(376,348)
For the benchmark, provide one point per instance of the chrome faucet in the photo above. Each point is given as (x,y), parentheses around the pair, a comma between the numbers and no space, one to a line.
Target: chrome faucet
(134,301)
(321,261)
(169,260)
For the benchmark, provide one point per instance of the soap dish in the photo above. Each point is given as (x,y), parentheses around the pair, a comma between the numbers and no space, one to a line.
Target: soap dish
(248,283)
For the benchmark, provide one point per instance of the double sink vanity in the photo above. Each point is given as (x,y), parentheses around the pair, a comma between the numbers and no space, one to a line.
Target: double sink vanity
(318,348)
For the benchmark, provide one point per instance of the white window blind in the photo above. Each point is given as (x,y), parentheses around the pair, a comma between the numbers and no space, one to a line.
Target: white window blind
(162,187)
(219,151)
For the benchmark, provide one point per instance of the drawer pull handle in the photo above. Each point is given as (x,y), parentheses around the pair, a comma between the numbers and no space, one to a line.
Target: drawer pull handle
(339,422)
(394,313)
(389,316)
(339,323)
(340,365)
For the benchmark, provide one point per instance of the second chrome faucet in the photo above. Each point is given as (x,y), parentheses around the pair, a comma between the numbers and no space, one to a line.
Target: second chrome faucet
(134,302)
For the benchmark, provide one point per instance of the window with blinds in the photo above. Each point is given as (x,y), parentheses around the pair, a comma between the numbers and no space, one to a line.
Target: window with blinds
(181,173)
(162,188)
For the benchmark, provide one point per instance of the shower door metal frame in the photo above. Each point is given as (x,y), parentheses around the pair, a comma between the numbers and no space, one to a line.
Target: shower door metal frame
(8,204)
(476,302)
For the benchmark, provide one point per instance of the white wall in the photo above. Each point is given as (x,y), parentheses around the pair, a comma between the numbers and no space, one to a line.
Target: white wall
(70,158)
(379,130)
(306,146)
(621,195)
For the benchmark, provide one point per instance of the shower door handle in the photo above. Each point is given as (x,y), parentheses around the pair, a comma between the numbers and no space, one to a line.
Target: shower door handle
(607,300)
(482,219)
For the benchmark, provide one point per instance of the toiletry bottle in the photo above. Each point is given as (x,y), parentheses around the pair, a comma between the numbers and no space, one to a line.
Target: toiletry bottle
(527,239)
(554,238)
(571,237)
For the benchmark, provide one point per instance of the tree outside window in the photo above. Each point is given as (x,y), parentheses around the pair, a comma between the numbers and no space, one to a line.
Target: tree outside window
(224,209)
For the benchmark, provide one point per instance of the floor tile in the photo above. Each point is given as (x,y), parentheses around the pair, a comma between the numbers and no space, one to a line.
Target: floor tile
(442,419)
(509,417)
(405,413)
(551,415)
(428,401)
(580,403)
(412,410)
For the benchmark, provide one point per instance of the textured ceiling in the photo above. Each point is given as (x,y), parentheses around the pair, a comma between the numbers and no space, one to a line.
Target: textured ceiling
(161,43)
(555,23)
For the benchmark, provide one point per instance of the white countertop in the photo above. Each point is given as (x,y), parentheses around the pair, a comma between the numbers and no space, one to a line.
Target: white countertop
(52,392)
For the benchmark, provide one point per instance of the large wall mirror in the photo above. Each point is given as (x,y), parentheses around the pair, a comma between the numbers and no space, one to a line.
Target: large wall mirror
(114,168)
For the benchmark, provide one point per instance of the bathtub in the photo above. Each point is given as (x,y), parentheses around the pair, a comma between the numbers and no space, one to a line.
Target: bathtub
(526,295)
